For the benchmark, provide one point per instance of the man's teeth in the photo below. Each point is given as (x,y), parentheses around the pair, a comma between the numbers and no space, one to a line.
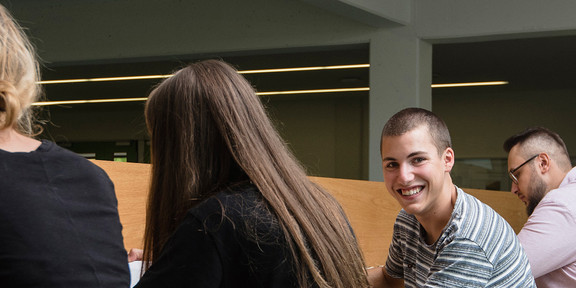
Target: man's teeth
(411,191)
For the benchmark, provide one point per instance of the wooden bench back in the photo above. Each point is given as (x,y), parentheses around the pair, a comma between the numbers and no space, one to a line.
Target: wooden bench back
(370,208)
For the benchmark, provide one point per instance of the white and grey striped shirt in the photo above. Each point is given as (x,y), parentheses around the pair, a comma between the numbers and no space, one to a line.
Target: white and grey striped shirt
(476,249)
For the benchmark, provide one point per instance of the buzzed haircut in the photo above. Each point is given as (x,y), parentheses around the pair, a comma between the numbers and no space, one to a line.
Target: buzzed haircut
(537,140)
(411,118)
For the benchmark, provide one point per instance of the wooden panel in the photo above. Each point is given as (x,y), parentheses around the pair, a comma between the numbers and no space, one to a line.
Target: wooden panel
(369,207)
(131,181)
(371,211)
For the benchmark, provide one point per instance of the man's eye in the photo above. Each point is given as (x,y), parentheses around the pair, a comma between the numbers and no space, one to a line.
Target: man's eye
(418,160)
(391,165)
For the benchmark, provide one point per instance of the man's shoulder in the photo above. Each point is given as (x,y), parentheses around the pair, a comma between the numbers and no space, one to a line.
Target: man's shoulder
(478,217)
(406,220)
(565,194)
(561,200)
(480,209)
(406,226)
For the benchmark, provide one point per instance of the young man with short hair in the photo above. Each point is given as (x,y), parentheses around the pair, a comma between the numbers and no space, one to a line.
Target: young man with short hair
(443,237)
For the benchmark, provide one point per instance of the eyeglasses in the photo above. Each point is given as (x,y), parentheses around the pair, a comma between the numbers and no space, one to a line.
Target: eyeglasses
(512,171)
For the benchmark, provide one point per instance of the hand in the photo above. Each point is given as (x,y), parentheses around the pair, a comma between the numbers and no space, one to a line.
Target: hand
(135,255)
(378,278)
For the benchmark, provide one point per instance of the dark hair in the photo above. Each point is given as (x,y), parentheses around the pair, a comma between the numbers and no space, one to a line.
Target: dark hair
(540,139)
(19,74)
(209,130)
(411,118)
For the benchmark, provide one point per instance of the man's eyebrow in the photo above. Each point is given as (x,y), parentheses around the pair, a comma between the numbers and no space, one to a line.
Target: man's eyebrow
(417,153)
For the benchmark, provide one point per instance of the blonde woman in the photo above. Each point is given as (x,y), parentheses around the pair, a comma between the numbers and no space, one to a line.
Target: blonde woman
(58,218)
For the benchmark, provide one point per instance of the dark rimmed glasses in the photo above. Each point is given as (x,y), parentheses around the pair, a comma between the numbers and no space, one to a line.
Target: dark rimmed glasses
(512,171)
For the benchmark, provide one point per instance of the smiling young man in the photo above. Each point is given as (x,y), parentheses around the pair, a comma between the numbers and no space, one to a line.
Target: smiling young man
(543,178)
(443,237)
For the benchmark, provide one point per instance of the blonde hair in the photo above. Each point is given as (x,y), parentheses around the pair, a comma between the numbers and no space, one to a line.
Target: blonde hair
(209,130)
(19,74)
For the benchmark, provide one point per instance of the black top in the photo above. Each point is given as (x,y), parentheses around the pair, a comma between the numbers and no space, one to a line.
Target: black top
(59,224)
(229,240)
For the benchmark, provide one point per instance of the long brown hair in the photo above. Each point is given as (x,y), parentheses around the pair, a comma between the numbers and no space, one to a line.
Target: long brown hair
(208,130)
(19,73)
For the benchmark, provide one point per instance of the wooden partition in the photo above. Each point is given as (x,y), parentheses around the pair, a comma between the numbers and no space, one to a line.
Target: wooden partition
(131,182)
(370,209)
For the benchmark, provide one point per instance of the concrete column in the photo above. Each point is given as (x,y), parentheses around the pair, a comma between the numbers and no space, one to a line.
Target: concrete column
(400,77)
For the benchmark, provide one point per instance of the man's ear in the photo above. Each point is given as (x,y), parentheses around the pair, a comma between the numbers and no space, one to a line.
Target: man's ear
(448,158)
(544,163)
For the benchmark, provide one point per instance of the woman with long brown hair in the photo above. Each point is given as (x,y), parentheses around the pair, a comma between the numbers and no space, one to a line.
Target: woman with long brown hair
(229,206)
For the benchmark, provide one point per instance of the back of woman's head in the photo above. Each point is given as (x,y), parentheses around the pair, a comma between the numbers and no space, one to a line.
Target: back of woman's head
(188,119)
(209,130)
(19,74)
(199,121)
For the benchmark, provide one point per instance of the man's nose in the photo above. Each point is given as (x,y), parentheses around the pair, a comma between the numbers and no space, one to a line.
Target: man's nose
(406,174)
(514,188)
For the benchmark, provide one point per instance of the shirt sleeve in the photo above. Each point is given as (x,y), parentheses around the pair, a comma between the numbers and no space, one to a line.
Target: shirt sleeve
(394,263)
(189,259)
(462,263)
(548,237)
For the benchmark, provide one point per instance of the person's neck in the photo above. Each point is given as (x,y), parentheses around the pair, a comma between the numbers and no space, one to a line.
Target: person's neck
(12,141)
(435,221)
(555,177)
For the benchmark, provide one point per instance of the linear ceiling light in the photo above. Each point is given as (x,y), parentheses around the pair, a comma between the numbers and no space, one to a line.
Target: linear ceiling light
(305,69)
(66,102)
(290,92)
(469,84)
(313,91)
(125,78)
(104,79)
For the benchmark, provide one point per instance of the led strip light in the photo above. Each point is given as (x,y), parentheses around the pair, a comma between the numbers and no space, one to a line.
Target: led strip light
(290,92)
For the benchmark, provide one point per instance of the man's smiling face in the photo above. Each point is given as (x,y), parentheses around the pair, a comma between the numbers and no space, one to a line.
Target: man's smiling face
(414,172)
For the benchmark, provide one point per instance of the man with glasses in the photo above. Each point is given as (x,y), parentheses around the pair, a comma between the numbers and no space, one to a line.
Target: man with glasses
(543,178)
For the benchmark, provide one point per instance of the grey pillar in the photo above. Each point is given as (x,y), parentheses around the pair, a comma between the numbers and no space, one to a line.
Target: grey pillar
(400,77)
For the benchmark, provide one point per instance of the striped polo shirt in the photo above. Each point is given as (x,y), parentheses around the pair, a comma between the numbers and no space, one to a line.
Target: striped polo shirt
(477,248)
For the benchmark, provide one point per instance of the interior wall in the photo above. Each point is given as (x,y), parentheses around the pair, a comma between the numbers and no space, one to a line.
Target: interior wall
(328,134)
(481,121)
(95,122)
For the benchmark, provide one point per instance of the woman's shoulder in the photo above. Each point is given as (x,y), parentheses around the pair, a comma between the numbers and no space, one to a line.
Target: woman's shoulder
(234,200)
(57,158)
(240,205)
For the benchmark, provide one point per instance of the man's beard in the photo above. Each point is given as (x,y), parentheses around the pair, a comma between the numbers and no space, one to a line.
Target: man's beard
(538,192)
